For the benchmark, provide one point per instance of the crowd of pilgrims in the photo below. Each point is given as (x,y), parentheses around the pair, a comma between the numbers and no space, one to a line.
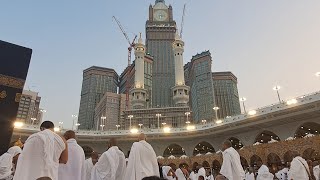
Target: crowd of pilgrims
(49,156)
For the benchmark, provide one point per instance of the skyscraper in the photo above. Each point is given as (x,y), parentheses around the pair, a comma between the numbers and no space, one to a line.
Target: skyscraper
(201,86)
(160,34)
(226,94)
(96,82)
(28,110)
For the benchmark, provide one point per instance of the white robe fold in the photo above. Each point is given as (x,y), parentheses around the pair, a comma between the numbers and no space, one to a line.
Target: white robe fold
(201,172)
(165,171)
(297,169)
(249,176)
(142,162)
(6,161)
(264,174)
(282,174)
(209,177)
(111,165)
(40,156)
(180,174)
(231,166)
(193,176)
(88,165)
(74,169)
(316,172)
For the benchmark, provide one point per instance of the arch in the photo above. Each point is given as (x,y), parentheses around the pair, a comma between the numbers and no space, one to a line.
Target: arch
(216,166)
(173,166)
(87,150)
(203,148)
(175,150)
(274,162)
(308,154)
(244,162)
(206,165)
(195,166)
(184,165)
(266,136)
(287,157)
(254,159)
(236,143)
(307,128)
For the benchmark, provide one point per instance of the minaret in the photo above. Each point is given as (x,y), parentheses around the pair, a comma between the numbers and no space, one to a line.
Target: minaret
(180,90)
(139,94)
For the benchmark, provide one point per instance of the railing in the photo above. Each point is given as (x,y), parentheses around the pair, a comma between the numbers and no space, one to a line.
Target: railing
(301,100)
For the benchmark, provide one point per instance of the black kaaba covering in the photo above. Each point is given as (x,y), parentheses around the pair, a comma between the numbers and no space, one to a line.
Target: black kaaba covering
(14,65)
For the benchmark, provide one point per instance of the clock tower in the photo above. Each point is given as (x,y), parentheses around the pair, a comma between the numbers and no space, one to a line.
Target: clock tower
(160,34)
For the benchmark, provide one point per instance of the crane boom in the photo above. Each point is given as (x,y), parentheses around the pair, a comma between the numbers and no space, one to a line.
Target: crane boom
(182,21)
(121,28)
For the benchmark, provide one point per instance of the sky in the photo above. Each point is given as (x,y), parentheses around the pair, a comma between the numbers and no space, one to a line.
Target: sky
(264,43)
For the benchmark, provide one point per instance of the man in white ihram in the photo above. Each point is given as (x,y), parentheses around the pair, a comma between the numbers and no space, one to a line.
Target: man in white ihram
(263,172)
(142,161)
(89,163)
(41,155)
(74,169)
(299,169)
(231,166)
(111,164)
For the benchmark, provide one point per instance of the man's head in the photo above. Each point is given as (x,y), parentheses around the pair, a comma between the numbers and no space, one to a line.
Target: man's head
(226,144)
(112,142)
(47,125)
(142,137)
(69,135)
(94,156)
(259,163)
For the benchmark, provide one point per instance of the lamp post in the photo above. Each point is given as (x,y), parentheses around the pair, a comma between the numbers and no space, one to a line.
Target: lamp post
(103,121)
(117,126)
(140,125)
(130,117)
(243,99)
(102,126)
(277,88)
(204,121)
(33,119)
(187,114)
(158,116)
(74,116)
(216,111)
(77,124)
(61,125)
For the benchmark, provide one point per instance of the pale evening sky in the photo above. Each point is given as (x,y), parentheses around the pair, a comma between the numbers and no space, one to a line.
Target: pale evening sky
(263,43)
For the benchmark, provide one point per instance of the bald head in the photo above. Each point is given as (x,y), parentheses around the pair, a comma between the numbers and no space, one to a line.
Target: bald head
(69,135)
(142,137)
(112,142)
(226,144)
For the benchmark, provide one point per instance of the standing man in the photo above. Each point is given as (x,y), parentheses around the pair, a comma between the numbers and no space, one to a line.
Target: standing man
(41,154)
(263,172)
(74,169)
(299,168)
(89,163)
(111,164)
(231,166)
(142,160)
(316,170)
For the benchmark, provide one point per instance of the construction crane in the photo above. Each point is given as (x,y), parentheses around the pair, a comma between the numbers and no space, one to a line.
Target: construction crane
(131,44)
(182,21)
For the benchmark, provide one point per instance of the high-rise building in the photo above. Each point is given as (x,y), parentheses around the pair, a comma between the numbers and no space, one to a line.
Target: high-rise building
(109,110)
(96,82)
(226,94)
(201,86)
(160,34)
(28,110)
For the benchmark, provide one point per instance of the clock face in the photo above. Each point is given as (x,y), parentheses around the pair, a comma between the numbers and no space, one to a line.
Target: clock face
(160,15)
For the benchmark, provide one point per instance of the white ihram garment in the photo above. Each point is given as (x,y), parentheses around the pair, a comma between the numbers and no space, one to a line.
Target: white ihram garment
(231,166)
(193,176)
(249,176)
(264,174)
(316,172)
(142,162)
(74,169)
(6,161)
(298,169)
(180,174)
(165,171)
(88,165)
(40,156)
(111,165)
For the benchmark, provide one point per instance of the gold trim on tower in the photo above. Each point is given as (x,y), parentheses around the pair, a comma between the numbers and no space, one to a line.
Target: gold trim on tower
(11,81)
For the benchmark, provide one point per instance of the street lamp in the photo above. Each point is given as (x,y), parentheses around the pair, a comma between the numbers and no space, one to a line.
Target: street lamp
(103,120)
(18,124)
(158,116)
(318,74)
(243,99)
(117,126)
(61,124)
(77,124)
(33,119)
(74,116)
(187,114)
(216,111)
(277,88)
(163,124)
(102,126)
(130,117)
(140,125)
(204,121)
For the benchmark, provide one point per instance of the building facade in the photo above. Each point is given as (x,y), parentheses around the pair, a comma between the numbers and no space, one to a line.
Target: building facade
(226,94)
(160,34)
(201,86)
(29,110)
(111,106)
(96,82)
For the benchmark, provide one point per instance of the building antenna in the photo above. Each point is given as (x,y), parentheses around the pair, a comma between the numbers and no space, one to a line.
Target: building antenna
(182,21)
